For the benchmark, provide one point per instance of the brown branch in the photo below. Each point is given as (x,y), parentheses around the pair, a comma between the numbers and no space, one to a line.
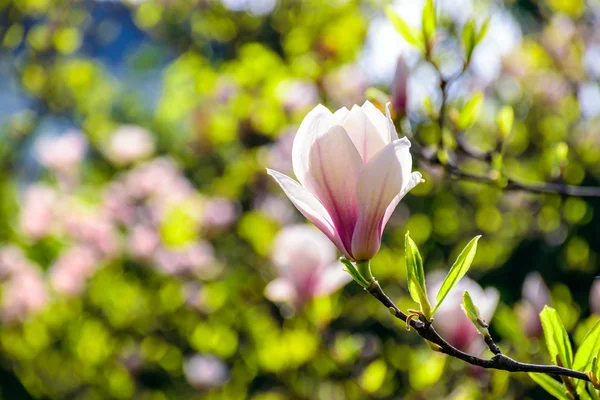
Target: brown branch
(498,362)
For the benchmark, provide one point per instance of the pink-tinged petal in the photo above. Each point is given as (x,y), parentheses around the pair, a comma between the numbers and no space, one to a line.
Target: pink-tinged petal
(316,123)
(363,133)
(331,279)
(281,290)
(341,113)
(415,179)
(310,207)
(381,122)
(379,183)
(334,167)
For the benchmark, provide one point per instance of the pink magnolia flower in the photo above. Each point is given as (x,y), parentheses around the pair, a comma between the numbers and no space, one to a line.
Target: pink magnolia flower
(129,144)
(61,153)
(37,212)
(205,372)
(72,269)
(306,264)
(595,297)
(535,295)
(400,87)
(353,171)
(25,293)
(451,321)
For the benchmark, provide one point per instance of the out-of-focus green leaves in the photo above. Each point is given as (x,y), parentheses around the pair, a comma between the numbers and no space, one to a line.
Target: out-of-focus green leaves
(557,339)
(589,348)
(457,271)
(505,119)
(470,111)
(416,276)
(408,33)
(550,385)
(429,22)
(471,36)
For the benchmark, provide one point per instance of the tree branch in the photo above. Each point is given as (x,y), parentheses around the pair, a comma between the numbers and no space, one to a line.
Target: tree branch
(499,361)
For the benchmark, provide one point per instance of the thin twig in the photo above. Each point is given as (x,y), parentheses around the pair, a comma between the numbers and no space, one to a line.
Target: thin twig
(499,361)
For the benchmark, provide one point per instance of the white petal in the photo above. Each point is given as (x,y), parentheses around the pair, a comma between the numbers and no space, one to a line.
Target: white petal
(381,122)
(367,140)
(316,123)
(310,207)
(392,128)
(334,167)
(281,290)
(331,279)
(341,113)
(379,183)
(415,179)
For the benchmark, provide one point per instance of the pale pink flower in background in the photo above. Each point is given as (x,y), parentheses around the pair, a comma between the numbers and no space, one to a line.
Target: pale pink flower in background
(37,212)
(24,294)
(280,153)
(451,321)
(346,85)
(72,269)
(143,241)
(13,261)
(306,266)
(197,257)
(400,87)
(276,208)
(535,295)
(205,372)
(219,212)
(94,229)
(298,95)
(595,297)
(61,153)
(129,144)
(353,171)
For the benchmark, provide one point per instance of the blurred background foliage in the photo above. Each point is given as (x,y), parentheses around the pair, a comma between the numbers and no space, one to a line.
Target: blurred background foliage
(137,222)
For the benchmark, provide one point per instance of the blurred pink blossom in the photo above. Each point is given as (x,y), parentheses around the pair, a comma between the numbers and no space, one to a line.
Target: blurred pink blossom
(451,321)
(129,144)
(306,265)
(61,153)
(195,258)
(595,297)
(400,87)
(298,95)
(37,211)
(13,261)
(277,208)
(205,372)
(72,269)
(143,241)
(94,229)
(24,293)
(346,85)
(219,212)
(535,295)
(280,153)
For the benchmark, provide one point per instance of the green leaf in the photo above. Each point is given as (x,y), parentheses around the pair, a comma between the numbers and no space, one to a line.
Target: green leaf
(470,111)
(590,348)
(468,39)
(505,119)
(428,20)
(550,385)
(353,271)
(458,270)
(473,313)
(557,339)
(409,33)
(416,276)
(482,31)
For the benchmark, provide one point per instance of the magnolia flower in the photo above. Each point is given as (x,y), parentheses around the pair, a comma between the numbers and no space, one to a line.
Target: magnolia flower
(306,264)
(595,297)
(535,295)
(353,170)
(450,319)
(61,153)
(129,144)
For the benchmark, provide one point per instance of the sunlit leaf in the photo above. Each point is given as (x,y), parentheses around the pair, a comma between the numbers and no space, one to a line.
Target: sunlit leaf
(458,270)
(550,385)
(557,339)
(415,275)
(505,119)
(482,31)
(473,313)
(590,348)
(470,111)
(429,20)
(468,39)
(410,34)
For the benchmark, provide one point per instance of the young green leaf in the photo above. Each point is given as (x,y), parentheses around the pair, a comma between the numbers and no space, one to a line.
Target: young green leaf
(550,385)
(429,21)
(505,119)
(468,39)
(353,271)
(482,31)
(590,348)
(472,312)
(415,275)
(409,33)
(458,270)
(470,111)
(557,339)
